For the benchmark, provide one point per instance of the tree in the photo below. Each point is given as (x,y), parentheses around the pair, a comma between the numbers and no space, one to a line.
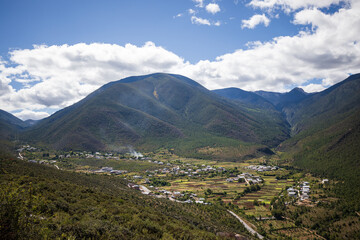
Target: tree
(208,191)
(277,213)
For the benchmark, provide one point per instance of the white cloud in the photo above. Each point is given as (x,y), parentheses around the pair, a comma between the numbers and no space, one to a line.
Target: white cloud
(200,21)
(65,74)
(212,8)
(178,15)
(68,73)
(329,52)
(199,3)
(34,115)
(255,20)
(313,88)
(292,5)
(217,23)
(191,11)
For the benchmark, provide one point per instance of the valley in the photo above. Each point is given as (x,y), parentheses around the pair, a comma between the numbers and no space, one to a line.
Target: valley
(286,164)
(254,189)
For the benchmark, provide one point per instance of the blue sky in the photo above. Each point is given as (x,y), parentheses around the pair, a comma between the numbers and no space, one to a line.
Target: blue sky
(137,21)
(53,53)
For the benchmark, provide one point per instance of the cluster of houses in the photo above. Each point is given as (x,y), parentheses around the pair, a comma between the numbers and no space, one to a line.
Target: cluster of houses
(27,148)
(157,162)
(247,178)
(303,193)
(98,155)
(262,168)
(110,170)
(43,161)
(185,170)
(173,196)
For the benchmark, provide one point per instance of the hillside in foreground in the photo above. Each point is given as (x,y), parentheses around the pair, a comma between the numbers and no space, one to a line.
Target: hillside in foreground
(40,202)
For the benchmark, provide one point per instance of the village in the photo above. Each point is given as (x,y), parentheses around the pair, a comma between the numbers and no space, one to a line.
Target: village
(250,185)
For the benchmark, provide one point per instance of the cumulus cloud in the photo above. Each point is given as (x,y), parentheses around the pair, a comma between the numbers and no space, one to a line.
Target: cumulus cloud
(199,3)
(212,8)
(34,115)
(255,20)
(292,5)
(65,74)
(200,21)
(313,88)
(191,11)
(58,76)
(329,52)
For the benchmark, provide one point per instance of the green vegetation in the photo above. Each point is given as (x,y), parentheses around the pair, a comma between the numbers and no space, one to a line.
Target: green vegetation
(41,202)
(178,122)
(183,115)
(327,139)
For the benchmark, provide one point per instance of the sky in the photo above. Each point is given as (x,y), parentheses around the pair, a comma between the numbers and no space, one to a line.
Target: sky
(53,53)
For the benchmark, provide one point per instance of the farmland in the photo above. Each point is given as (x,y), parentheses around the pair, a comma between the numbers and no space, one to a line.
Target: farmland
(240,186)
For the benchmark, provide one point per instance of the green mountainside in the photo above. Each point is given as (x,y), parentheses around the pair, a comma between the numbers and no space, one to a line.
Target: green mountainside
(157,110)
(245,97)
(10,126)
(40,202)
(261,109)
(326,134)
(281,100)
(325,130)
(318,133)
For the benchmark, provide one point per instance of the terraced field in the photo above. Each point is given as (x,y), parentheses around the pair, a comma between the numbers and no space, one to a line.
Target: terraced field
(228,191)
(198,186)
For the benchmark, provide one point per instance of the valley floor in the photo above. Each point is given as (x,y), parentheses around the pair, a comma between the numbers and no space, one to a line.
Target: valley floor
(268,193)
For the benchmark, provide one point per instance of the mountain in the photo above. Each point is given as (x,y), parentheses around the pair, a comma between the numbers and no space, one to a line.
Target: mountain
(260,108)
(326,132)
(325,108)
(153,111)
(280,100)
(30,122)
(11,119)
(10,125)
(244,97)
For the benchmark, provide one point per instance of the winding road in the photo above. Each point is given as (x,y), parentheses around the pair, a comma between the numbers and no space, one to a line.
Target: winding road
(252,231)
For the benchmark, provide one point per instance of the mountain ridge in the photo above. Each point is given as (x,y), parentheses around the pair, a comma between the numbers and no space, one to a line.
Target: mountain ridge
(153,109)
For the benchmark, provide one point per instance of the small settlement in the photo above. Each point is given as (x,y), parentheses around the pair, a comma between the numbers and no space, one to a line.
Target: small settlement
(262,168)
(300,192)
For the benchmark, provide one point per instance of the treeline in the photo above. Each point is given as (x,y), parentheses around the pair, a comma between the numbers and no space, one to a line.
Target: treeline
(252,188)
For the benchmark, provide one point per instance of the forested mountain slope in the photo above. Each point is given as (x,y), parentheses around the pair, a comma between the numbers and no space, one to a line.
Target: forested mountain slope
(326,134)
(153,110)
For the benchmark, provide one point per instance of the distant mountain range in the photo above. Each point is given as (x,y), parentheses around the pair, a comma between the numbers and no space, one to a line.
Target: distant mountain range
(172,111)
(160,110)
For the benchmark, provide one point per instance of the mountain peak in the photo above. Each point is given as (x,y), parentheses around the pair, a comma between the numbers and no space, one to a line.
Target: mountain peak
(298,90)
